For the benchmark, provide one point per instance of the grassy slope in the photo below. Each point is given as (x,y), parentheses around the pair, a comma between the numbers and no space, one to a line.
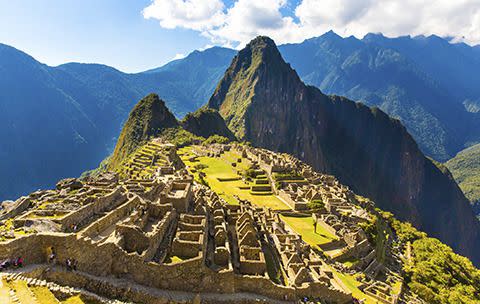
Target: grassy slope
(222,168)
(465,168)
(304,227)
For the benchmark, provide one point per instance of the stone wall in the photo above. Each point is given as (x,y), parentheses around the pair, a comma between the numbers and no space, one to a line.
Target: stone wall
(108,259)
(111,218)
(158,234)
(111,200)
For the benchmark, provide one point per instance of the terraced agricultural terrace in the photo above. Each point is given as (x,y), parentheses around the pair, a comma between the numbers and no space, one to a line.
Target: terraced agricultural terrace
(204,224)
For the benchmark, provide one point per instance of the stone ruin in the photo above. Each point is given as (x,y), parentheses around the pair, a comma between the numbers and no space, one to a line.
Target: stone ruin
(152,225)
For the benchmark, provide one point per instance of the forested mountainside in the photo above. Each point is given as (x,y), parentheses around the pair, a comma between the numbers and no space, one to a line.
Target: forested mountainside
(91,101)
(60,121)
(465,168)
(263,101)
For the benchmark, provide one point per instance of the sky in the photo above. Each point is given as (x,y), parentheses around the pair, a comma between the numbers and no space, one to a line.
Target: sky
(136,35)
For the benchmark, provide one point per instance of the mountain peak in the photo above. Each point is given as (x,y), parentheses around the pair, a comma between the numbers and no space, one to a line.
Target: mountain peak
(261,42)
(147,119)
(262,46)
(331,34)
(255,68)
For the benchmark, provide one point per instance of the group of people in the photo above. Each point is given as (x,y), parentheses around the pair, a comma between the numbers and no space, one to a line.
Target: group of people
(18,262)
(70,263)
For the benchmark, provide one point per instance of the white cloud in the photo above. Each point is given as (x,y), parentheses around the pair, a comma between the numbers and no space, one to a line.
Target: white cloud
(197,15)
(245,19)
(179,56)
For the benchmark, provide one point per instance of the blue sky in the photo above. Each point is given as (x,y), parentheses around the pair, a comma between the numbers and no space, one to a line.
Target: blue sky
(111,32)
(136,35)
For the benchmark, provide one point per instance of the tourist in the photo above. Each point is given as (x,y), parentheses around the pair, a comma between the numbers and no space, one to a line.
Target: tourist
(68,264)
(18,262)
(51,258)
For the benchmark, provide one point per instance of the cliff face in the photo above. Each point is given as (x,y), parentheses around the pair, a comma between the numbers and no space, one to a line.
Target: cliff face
(264,101)
(147,119)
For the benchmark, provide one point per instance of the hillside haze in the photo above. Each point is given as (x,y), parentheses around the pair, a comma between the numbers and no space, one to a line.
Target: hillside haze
(60,121)
(91,102)
(263,101)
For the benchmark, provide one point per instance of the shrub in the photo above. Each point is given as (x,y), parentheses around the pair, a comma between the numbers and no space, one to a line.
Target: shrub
(200,166)
(216,139)
(316,205)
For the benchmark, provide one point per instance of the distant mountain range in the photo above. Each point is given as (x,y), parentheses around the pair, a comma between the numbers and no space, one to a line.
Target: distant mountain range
(61,121)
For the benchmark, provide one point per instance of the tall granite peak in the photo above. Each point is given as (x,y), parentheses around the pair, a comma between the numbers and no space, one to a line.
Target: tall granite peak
(147,119)
(264,101)
(259,60)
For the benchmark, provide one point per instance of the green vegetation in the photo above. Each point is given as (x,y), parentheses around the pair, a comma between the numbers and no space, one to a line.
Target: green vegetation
(174,259)
(432,270)
(223,178)
(206,122)
(352,284)
(22,292)
(43,295)
(378,232)
(180,137)
(216,139)
(303,225)
(148,119)
(241,79)
(465,168)
(316,205)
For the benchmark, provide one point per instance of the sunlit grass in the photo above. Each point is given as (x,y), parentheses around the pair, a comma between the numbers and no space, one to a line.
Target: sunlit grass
(304,227)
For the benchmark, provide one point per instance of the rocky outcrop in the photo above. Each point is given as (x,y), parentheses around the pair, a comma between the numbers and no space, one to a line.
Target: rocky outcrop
(264,101)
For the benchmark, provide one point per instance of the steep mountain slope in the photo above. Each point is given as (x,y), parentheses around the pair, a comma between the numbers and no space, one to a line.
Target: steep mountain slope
(148,119)
(100,98)
(45,134)
(187,83)
(465,168)
(60,121)
(393,81)
(264,101)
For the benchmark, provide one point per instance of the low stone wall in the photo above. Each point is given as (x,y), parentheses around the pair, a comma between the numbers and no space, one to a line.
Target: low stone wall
(111,218)
(336,244)
(113,199)
(107,259)
(327,227)
(157,235)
